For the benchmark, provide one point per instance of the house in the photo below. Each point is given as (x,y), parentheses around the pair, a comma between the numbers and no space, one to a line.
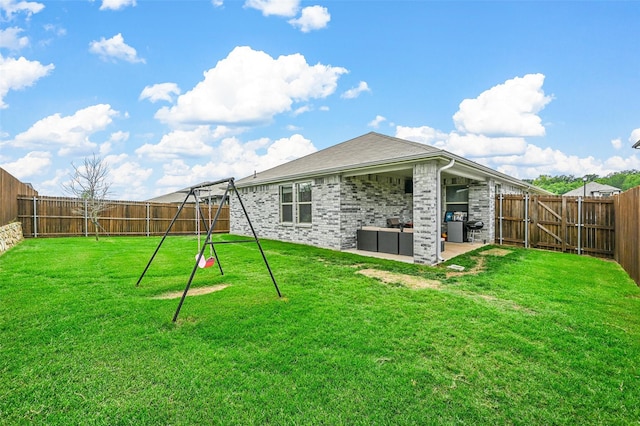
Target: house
(593,189)
(345,196)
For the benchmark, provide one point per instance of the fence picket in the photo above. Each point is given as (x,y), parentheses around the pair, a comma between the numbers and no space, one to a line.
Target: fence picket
(54,216)
(567,224)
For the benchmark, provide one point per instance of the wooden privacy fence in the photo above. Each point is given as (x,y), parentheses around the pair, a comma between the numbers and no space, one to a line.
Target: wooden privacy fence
(627,253)
(58,216)
(567,224)
(10,188)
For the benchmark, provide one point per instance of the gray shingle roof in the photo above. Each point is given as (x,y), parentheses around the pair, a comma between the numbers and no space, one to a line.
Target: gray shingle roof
(592,187)
(367,150)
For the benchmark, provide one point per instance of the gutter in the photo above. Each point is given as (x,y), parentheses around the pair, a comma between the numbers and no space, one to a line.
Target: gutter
(439,210)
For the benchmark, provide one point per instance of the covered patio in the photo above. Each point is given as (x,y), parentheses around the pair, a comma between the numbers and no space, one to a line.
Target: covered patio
(451,250)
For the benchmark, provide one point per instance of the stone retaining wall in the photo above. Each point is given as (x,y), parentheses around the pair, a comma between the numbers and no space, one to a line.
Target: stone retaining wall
(10,235)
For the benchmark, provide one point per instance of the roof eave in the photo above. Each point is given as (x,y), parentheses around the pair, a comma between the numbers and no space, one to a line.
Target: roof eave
(363,168)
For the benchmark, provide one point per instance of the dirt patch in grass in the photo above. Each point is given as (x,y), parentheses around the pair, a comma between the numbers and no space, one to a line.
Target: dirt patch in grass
(496,252)
(413,282)
(192,292)
(404,280)
(479,267)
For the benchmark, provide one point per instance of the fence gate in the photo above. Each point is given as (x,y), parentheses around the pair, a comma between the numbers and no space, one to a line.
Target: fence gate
(567,224)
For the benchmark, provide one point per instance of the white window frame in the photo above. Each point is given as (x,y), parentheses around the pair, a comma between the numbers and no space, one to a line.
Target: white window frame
(296,203)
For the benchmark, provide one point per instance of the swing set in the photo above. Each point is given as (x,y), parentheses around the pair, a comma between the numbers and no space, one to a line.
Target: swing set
(200,260)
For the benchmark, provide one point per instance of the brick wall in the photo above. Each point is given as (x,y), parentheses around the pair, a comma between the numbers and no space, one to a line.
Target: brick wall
(340,207)
(425,213)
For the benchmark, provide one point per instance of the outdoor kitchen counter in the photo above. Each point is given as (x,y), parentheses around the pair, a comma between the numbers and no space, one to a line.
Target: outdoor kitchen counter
(386,240)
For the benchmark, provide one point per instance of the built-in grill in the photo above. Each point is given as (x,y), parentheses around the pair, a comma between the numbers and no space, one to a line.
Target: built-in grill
(473,226)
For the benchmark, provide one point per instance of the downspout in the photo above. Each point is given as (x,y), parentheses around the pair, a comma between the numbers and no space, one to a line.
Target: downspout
(439,210)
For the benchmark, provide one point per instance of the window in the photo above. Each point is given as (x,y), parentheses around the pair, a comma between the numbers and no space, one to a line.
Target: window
(286,204)
(304,202)
(457,198)
(298,202)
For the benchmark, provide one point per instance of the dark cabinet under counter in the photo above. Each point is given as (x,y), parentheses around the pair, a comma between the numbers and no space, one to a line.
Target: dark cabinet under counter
(385,240)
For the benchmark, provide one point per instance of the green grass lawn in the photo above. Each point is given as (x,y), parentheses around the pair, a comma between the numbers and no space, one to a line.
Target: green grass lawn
(534,338)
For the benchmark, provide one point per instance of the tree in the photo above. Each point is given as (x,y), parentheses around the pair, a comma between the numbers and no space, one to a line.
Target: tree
(89,183)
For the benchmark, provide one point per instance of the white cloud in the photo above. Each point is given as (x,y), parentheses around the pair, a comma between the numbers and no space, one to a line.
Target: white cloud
(355,92)
(284,150)
(375,123)
(302,110)
(250,86)
(115,138)
(9,7)
(10,39)
(536,161)
(470,145)
(616,143)
(284,8)
(491,131)
(508,109)
(311,18)
(18,74)
(217,3)
(423,134)
(234,158)
(34,163)
(177,175)
(180,143)
(119,136)
(69,133)
(113,49)
(116,4)
(128,178)
(160,92)
(55,29)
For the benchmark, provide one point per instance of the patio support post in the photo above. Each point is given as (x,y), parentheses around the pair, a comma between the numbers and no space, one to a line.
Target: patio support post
(439,209)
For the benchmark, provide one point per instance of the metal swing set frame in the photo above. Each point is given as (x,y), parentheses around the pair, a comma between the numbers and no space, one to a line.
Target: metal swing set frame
(192,191)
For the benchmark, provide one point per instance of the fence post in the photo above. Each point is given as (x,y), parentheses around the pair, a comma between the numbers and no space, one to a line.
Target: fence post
(86,219)
(35,217)
(500,217)
(526,220)
(148,219)
(579,225)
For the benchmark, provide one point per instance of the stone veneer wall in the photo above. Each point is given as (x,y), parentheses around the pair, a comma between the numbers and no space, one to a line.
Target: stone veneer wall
(340,207)
(10,235)
(368,200)
(263,209)
(425,181)
(482,207)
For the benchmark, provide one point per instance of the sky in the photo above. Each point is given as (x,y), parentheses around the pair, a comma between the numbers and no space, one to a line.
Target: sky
(173,93)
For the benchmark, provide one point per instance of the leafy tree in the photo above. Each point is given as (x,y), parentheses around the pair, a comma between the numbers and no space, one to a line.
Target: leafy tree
(89,183)
(565,183)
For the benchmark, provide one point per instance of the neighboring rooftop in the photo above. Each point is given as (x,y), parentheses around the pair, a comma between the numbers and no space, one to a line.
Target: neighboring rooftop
(593,189)
(637,144)
(215,193)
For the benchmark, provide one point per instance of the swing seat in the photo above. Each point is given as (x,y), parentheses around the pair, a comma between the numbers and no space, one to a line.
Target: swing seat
(205,263)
